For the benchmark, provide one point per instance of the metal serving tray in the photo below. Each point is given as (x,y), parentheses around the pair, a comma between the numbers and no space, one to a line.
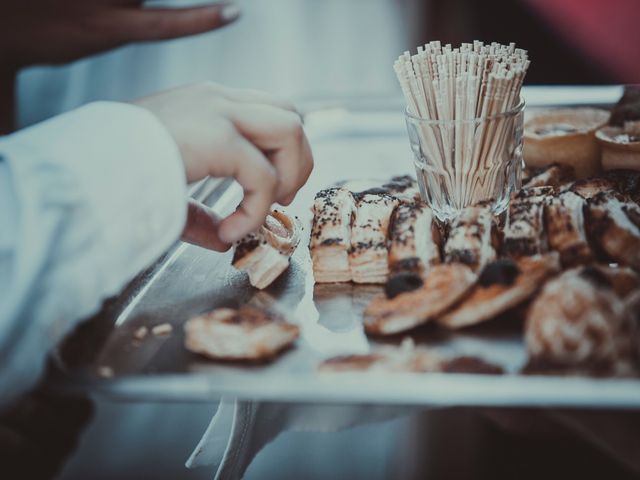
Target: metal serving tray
(357,139)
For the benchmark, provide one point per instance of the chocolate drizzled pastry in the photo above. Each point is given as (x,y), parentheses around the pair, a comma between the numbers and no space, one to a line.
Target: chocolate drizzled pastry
(503,285)
(470,238)
(414,239)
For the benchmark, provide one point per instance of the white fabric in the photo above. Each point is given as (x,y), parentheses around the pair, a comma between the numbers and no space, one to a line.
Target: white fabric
(240,429)
(87,200)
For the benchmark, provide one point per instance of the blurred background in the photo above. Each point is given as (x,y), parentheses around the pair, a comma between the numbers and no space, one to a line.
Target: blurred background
(334,48)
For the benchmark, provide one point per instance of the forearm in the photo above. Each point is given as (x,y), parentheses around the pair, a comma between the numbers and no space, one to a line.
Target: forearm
(93,197)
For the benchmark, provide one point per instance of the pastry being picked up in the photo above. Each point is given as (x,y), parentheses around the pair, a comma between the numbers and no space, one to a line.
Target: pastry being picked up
(565,136)
(265,254)
(239,334)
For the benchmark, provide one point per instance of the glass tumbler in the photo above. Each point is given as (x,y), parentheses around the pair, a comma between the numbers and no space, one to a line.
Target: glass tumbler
(464,162)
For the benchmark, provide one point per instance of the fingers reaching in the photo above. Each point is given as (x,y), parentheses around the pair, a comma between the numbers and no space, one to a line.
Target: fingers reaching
(278,133)
(258,179)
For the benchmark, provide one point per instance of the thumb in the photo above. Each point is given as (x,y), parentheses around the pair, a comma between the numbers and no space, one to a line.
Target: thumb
(202,227)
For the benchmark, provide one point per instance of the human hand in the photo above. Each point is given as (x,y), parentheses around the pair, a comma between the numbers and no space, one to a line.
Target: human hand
(56,31)
(250,136)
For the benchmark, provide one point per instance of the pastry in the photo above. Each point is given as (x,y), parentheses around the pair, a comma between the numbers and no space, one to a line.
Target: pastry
(565,136)
(564,220)
(330,240)
(614,226)
(368,255)
(470,239)
(409,301)
(414,239)
(502,285)
(243,334)
(524,232)
(265,254)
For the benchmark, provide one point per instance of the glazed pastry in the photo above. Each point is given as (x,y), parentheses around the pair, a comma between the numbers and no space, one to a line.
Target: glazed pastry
(502,285)
(244,334)
(330,241)
(414,237)
(614,225)
(566,137)
(368,256)
(578,321)
(265,254)
(564,219)
(409,301)
(470,239)
(524,230)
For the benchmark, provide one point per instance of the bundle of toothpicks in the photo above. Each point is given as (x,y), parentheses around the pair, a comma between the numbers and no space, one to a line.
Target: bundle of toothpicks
(455,85)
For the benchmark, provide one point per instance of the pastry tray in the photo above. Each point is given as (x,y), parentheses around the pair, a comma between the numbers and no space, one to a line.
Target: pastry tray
(351,139)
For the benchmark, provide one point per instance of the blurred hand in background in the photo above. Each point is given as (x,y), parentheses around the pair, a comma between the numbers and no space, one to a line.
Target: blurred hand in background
(58,31)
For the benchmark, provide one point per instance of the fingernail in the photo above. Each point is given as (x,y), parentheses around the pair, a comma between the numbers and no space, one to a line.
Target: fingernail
(230,12)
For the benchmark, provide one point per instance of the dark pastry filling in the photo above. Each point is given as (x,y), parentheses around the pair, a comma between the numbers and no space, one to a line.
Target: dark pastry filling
(595,276)
(401,283)
(555,129)
(500,272)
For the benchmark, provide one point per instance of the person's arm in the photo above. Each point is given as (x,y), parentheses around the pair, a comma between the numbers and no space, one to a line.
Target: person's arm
(90,198)
(87,200)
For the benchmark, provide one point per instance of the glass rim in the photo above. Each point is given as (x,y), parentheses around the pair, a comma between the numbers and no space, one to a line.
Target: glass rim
(509,113)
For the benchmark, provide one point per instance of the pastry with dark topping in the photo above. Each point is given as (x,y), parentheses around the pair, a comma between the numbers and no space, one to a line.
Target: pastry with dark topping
(612,226)
(443,286)
(470,239)
(554,175)
(565,228)
(502,285)
(575,322)
(368,255)
(620,146)
(524,232)
(414,239)
(330,240)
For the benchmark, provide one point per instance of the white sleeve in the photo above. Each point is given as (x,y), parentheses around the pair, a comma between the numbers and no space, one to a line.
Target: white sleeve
(87,200)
